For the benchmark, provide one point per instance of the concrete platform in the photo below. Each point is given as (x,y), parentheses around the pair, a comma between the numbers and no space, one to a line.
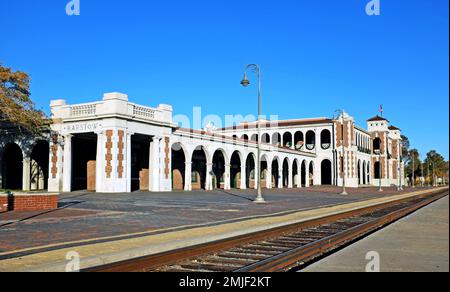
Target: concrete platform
(417,243)
(94,252)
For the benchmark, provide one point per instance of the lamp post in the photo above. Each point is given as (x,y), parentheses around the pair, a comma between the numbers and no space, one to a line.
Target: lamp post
(399,169)
(245,82)
(344,191)
(413,170)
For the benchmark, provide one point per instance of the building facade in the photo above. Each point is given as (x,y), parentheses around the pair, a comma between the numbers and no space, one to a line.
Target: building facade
(115,146)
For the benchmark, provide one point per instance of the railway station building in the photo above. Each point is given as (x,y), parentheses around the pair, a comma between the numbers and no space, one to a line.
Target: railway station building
(115,146)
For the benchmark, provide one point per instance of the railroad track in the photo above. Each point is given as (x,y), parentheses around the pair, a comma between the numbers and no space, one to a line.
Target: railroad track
(279,249)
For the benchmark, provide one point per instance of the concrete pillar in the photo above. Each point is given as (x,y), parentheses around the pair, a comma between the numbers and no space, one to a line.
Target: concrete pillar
(26,174)
(269,177)
(188,177)
(55,165)
(209,182)
(307,184)
(227,177)
(243,177)
(155,169)
(128,161)
(100,162)
(290,178)
(299,175)
(280,177)
(67,168)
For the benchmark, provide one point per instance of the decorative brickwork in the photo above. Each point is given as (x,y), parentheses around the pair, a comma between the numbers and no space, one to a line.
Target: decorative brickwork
(108,156)
(35,202)
(3,203)
(54,152)
(91,176)
(120,155)
(394,169)
(144,180)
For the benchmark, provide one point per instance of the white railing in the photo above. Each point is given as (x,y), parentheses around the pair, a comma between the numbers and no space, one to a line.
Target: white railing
(83,110)
(143,112)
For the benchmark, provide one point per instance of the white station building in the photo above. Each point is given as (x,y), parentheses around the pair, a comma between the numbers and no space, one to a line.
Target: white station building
(115,146)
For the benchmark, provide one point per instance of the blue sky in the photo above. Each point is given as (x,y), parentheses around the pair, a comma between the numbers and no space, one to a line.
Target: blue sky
(316,57)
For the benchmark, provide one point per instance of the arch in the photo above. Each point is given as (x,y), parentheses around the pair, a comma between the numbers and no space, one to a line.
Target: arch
(199,161)
(265,138)
(303,174)
(254,138)
(12,167)
(178,167)
(325,139)
(286,173)
(377,144)
(264,171)
(364,173)
(311,173)
(326,173)
(244,137)
(295,178)
(276,139)
(359,173)
(218,169)
(250,165)
(235,170)
(368,173)
(299,140)
(275,172)
(39,165)
(310,140)
(287,140)
(377,170)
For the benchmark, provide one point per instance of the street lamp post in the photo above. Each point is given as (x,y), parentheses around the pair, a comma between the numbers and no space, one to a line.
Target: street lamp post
(413,170)
(245,82)
(434,176)
(344,191)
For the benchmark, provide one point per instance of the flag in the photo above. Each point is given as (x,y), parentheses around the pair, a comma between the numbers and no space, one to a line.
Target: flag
(381,110)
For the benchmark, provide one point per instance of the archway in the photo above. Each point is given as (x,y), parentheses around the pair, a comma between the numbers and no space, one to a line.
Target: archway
(325,139)
(364,173)
(326,172)
(12,167)
(287,140)
(265,138)
(275,173)
(303,174)
(276,139)
(39,166)
(199,169)
(377,170)
(219,170)
(299,140)
(311,174)
(264,171)
(235,170)
(310,140)
(359,173)
(84,157)
(368,173)
(250,165)
(178,167)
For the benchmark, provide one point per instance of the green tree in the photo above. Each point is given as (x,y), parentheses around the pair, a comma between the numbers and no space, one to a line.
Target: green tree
(16,107)
(413,156)
(437,162)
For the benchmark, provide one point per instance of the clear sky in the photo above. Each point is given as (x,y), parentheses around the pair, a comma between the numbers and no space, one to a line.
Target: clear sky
(316,56)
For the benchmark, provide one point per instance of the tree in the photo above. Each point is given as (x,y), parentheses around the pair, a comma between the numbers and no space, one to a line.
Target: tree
(405,148)
(414,160)
(16,107)
(436,161)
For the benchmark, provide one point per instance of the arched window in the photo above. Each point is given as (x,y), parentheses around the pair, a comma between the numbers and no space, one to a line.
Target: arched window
(265,138)
(310,140)
(325,138)
(377,145)
(299,140)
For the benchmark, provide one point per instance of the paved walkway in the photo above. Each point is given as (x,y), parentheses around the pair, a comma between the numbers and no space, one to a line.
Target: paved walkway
(417,243)
(135,245)
(84,216)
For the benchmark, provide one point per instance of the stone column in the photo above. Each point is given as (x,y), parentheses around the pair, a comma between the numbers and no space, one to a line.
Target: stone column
(290,177)
(243,177)
(299,175)
(188,177)
(307,184)
(269,176)
(155,163)
(227,177)
(280,177)
(209,182)
(128,161)
(67,164)
(26,174)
